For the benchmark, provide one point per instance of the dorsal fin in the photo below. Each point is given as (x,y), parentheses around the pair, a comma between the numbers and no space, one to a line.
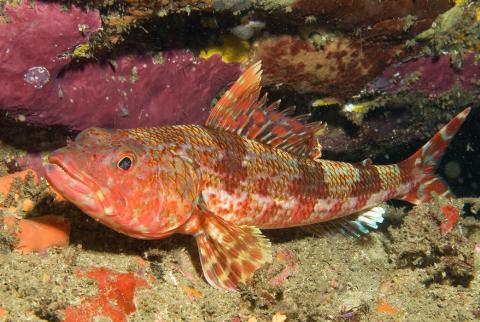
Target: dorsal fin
(241,110)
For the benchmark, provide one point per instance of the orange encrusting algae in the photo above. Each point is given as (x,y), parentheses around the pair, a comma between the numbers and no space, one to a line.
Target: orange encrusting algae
(114,299)
(386,308)
(250,167)
(7,184)
(7,181)
(39,233)
(9,190)
(191,292)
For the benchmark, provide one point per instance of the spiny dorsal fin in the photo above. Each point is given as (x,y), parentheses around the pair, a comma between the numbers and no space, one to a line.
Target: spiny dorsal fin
(241,111)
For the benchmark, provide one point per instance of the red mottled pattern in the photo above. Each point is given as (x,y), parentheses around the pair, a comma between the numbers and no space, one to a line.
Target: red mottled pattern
(251,183)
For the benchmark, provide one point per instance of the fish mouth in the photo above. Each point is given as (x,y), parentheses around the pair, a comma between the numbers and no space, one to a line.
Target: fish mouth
(75,188)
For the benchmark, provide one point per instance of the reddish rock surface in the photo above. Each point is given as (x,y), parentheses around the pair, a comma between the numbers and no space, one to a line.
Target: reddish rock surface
(41,85)
(430,76)
(385,17)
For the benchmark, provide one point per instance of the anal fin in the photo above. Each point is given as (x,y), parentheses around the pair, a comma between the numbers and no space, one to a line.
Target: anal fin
(230,253)
(355,225)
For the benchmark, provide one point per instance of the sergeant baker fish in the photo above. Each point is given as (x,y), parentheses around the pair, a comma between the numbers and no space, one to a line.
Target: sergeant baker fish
(248,168)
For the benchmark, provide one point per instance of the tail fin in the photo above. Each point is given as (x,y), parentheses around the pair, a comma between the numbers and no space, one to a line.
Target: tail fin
(426,159)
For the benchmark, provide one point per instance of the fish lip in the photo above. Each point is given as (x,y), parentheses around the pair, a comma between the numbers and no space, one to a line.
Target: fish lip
(55,167)
(55,162)
(52,169)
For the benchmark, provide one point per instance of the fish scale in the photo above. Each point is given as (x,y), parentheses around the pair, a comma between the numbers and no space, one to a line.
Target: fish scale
(250,167)
(313,184)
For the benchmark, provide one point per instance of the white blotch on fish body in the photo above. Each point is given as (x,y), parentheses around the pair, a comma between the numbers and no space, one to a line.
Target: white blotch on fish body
(37,76)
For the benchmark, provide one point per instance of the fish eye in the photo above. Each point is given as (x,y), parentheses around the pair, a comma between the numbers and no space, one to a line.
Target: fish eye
(125,163)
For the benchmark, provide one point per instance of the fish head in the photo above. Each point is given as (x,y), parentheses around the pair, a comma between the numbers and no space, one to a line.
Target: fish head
(118,181)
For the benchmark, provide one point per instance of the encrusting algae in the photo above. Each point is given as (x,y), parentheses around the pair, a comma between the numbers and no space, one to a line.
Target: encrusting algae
(231,49)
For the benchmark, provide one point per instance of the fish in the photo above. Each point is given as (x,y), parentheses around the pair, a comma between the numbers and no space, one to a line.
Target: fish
(250,167)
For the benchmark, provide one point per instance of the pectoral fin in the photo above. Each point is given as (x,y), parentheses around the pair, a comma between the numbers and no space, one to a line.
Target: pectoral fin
(229,253)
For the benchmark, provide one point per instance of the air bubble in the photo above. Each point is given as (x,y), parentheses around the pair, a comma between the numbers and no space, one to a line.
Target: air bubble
(452,169)
(37,76)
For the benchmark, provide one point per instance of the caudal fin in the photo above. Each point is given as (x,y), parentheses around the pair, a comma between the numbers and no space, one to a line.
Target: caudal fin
(426,160)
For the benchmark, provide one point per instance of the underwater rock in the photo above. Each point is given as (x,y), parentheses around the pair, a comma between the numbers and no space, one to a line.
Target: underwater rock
(344,44)
(363,30)
(390,133)
(381,17)
(340,68)
(376,18)
(139,92)
(41,85)
(431,76)
(34,41)
(38,234)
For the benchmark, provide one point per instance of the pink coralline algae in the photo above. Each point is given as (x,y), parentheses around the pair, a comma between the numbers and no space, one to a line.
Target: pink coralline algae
(430,76)
(40,83)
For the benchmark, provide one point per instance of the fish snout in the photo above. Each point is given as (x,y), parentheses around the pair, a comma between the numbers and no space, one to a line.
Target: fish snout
(65,157)
(61,161)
